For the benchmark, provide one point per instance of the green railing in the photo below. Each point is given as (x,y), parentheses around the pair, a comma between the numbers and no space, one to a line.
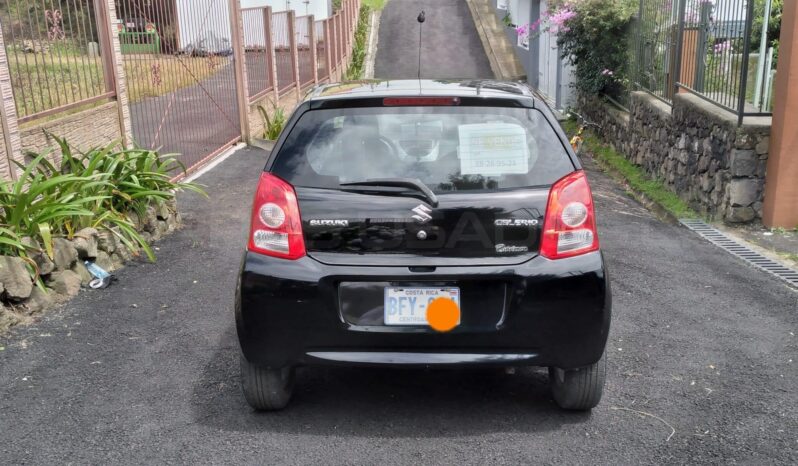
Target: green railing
(140,42)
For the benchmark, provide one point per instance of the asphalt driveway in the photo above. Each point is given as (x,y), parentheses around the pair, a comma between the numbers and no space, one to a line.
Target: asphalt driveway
(450,45)
(147,372)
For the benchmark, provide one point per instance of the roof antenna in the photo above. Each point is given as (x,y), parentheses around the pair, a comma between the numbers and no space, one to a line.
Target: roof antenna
(420,19)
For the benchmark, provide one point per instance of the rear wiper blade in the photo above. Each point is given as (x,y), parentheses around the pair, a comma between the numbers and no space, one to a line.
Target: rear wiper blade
(411,183)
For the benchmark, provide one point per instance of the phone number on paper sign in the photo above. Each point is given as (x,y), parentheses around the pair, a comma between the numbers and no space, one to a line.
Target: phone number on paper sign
(491,163)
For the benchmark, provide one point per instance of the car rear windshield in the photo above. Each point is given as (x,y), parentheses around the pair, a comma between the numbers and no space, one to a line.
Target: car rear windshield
(447,148)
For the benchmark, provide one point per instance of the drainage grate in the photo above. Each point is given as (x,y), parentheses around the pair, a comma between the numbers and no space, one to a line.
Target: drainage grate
(743,252)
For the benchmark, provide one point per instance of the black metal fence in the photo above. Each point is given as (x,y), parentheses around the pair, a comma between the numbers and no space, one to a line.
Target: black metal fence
(704,47)
(656,31)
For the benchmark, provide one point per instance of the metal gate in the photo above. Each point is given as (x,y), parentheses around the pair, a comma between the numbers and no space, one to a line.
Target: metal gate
(179,64)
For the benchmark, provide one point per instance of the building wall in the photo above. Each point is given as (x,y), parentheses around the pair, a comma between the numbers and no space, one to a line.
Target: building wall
(204,19)
(545,70)
(320,9)
(695,148)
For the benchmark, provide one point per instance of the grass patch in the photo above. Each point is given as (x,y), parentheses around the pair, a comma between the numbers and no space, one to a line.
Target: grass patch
(42,82)
(156,75)
(637,180)
(45,81)
(375,4)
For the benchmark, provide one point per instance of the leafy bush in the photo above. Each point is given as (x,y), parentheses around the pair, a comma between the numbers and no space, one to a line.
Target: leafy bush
(774,26)
(272,126)
(774,22)
(355,70)
(99,188)
(39,203)
(595,41)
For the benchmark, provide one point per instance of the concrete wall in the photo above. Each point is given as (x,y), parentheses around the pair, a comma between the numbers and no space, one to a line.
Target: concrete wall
(695,148)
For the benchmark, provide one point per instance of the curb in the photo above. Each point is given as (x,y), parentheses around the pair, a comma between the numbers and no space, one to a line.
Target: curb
(371,46)
(658,209)
(488,46)
(483,37)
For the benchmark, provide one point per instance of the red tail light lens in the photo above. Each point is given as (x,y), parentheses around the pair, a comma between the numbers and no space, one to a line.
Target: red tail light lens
(570,225)
(420,101)
(276,227)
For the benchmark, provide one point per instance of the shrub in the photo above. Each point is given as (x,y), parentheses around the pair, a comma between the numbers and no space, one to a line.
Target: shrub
(272,126)
(595,41)
(355,70)
(99,188)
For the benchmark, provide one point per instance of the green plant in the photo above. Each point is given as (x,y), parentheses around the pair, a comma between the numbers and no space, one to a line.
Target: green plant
(507,19)
(129,180)
(595,41)
(355,70)
(774,23)
(138,177)
(272,126)
(41,202)
(374,4)
(99,188)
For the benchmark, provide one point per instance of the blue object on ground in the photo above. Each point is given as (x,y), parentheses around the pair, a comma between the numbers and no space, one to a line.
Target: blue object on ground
(102,278)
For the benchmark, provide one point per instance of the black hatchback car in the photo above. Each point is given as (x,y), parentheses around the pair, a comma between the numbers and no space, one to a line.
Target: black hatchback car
(423,223)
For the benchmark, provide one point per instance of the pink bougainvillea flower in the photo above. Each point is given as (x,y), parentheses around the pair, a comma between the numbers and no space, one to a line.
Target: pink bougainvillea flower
(559,18)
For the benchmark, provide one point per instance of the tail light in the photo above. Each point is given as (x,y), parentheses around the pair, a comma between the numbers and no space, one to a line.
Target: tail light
(276,227)
(570,225)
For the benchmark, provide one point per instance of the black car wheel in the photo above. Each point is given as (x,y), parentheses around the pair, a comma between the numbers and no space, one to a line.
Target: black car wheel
(266,389)
(579,389)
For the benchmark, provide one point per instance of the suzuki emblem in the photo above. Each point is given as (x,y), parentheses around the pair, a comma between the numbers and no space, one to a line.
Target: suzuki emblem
(422,213)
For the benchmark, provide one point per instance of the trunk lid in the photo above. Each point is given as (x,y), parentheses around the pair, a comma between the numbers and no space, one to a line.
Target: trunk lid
(346,228)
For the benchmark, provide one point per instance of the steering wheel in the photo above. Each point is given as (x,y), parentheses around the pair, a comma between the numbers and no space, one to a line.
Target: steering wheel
(380,149)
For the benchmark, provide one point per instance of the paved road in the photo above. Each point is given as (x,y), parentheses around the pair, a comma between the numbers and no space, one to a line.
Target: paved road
(450,44)
(146,371)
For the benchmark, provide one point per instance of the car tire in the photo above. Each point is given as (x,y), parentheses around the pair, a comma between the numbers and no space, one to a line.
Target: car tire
(579,389)
(266,389)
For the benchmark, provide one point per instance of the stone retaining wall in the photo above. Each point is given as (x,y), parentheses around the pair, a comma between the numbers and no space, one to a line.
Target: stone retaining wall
(695,148)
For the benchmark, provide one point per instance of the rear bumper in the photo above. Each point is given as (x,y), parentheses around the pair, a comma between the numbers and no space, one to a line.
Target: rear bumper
(555,313)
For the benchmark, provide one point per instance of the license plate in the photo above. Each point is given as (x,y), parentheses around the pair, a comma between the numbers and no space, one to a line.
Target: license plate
(408,306)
